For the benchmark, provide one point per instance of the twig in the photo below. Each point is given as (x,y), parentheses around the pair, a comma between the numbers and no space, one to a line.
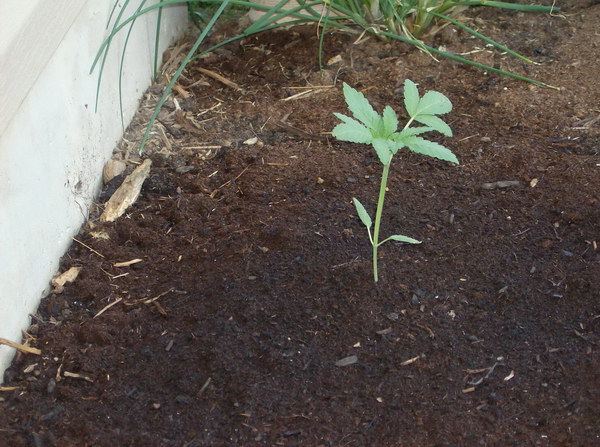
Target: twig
(108,306)
(227,183)
(204,386)
(221,79)
(20,347)
(88,247)
(489,373)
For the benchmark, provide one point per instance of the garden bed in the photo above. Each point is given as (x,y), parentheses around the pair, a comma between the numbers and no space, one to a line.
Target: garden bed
(255,278)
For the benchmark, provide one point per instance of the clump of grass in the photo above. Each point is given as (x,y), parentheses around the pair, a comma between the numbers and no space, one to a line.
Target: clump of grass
(403,20)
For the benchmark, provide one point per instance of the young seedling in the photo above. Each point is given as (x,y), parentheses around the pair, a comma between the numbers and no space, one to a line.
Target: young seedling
(381,131)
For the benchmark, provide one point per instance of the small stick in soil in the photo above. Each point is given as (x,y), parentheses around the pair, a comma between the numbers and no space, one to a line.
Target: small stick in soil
(227,183)
(161,310)
(428,330)
(489,373)
(77,376)
(108,306)
(9,388)
(409,361)
(127,263)
(88,247)
(151,300)
(221,79)
(204,386)
(20,347)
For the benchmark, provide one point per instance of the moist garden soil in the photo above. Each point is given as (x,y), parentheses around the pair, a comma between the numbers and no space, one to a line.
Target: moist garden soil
(253,319)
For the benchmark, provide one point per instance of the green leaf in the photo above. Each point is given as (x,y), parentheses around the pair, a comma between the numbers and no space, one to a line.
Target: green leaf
(400,238)
(360,107)
(430,148)
(390,121)
(435,123)
(351,130)
(381,146)
(362,213)
(433,103)
(411,97)
(413,131)
(395,144)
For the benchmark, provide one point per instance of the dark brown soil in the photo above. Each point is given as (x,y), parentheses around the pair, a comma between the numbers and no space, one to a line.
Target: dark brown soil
(256,278)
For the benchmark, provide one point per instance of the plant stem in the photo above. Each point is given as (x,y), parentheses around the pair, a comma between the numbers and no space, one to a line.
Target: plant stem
(379,212)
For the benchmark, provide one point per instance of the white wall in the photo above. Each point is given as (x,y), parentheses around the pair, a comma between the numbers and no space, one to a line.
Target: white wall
(52,144)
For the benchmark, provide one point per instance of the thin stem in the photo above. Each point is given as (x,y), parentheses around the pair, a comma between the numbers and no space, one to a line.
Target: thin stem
(382,187)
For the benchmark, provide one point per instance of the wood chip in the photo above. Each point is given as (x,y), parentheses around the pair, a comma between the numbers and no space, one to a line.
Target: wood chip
(59,281)
(385,331)
(127,193)
(20,347)
(502,184)
(409,361)
(346,361)
(127,263)
(510,376)
(469,390)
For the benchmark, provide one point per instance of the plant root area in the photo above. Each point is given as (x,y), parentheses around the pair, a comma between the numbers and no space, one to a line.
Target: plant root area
(250,316)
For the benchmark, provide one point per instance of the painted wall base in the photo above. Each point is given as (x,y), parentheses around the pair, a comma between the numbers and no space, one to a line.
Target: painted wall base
(53,145)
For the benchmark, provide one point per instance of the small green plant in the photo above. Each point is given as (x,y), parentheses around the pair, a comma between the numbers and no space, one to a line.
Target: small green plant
(381,131)
(403,20)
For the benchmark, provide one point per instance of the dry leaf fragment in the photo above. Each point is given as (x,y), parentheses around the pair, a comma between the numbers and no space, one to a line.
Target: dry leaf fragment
(335,60)
(251,141)
(350,360)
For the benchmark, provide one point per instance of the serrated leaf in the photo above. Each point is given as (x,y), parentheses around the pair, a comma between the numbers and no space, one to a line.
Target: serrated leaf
(362,213)
(360,107)
(382,148)
(430,148)
(411,97)
(351,130)
(395,145)
(433,103)
(435,123)
(390,121)
(413,131)
(400,238)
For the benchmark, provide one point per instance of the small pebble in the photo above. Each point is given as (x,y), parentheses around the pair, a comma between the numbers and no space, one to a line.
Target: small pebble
(351,180)
(51,386)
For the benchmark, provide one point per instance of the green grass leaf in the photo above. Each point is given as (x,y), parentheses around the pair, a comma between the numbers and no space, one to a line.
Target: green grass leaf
(351,130)
(360,107)
(411,97)
(362,213)
(435,123)
(429,148)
